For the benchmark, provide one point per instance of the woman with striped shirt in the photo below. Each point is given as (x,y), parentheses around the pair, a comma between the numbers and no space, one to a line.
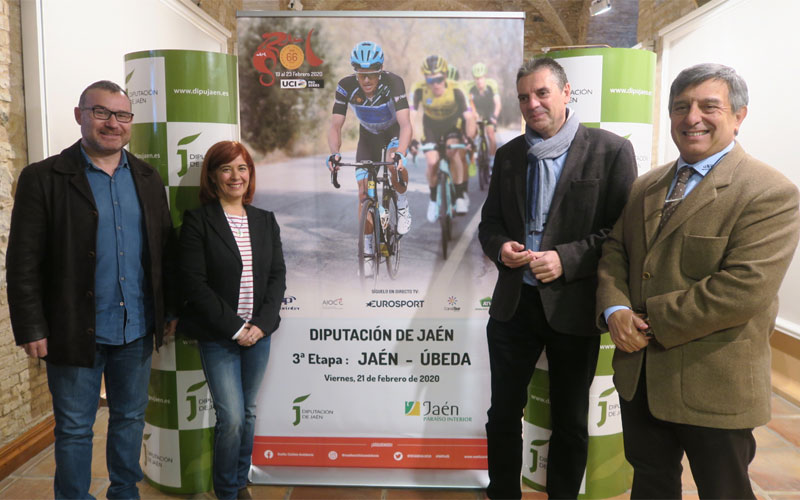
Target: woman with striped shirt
(233,278)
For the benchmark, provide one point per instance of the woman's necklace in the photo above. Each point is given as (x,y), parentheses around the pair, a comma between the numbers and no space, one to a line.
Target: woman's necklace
(237,228)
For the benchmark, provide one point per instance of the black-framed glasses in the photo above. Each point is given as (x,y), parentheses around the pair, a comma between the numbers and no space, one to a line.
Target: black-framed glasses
(103,113)
(436,79)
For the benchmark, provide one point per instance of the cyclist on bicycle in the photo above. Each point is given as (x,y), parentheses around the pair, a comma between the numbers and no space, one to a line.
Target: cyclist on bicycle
(378,99)
(445,108)
(485,98)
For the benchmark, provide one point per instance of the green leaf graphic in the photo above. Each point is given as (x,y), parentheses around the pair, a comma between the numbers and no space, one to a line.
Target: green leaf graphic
(301,399)
(196,386)
(608,392)
(627,136)
(188,139)
(146,437)
(539,442)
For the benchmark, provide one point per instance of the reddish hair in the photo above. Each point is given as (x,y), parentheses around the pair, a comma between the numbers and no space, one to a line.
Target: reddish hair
(217,155)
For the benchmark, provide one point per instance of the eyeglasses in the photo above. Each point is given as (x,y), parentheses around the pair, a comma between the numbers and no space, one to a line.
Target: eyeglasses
(102,113)
(435,79)
(364,75)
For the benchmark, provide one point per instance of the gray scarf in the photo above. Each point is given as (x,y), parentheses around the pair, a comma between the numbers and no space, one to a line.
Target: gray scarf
(541,175)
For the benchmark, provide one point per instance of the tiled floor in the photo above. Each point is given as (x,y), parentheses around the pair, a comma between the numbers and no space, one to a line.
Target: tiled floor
(775,472)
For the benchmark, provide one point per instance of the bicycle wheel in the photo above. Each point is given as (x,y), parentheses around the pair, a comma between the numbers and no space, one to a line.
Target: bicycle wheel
(483,164)
(444,198)
(391,238)
(368,261)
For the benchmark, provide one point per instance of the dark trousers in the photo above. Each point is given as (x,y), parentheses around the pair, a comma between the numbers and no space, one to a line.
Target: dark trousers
(718,457)
(514,348)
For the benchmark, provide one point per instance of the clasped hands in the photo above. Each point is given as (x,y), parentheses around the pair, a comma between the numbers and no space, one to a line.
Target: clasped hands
(545,266)
(250,335)
(627,330)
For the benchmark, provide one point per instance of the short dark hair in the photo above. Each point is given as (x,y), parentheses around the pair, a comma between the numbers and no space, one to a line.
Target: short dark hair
(106,85)
(533,65)
(218,155)
(699,73)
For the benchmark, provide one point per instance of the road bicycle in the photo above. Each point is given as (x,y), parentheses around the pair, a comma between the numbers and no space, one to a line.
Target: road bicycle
(445,189)
(483,155)
(381,207)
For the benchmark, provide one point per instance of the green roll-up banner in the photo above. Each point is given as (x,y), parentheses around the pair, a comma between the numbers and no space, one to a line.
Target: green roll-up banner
(611,89)
(184,101)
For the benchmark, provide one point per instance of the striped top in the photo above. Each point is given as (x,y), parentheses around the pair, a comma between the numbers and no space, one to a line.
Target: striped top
(241,233)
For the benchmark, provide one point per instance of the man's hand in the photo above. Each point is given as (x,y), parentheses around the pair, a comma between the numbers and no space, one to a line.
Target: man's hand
(333,161)
(513,254)
(36,349)
(546,266)
(626,329)
(250,335)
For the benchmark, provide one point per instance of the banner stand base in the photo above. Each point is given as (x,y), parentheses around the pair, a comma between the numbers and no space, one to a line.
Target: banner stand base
(371,477)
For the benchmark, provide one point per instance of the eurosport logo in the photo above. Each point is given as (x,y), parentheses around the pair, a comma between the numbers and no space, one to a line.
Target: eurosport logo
(395,304)
(288,303)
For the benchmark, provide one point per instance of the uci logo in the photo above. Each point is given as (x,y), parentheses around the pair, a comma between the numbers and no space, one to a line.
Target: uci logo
(293,84)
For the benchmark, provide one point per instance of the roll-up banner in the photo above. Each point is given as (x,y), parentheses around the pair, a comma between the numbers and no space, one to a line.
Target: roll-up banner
(184,101)
(611,89)
(382,381)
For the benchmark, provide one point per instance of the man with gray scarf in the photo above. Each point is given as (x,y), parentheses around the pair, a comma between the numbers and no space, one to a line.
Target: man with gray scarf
(555,193)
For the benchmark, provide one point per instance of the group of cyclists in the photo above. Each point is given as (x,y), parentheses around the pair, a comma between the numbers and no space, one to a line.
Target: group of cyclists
(450,110)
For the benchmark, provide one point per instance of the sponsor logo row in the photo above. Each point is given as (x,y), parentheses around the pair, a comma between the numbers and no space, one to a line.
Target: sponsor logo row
(451,303)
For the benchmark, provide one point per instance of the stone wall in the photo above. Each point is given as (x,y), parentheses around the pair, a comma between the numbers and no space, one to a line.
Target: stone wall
(24,398)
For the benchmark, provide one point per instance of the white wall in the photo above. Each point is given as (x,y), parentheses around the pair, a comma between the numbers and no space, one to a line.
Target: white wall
(758,39)
(67,45)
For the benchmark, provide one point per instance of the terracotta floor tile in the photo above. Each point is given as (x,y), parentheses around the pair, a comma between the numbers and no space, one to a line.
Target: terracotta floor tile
(328,493)
(781,406)
(787,427)
(99,457)
(687,481)
(432,493)
(768,438)
(100,427)
(534,495)
(776,470)
(24,488)
(44,464)
(267,492)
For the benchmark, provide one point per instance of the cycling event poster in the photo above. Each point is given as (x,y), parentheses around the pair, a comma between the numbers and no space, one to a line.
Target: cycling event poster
(385,379)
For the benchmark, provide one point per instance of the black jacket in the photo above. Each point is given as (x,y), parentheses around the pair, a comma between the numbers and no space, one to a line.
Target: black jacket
(593,187)
(211,268)
(51,254)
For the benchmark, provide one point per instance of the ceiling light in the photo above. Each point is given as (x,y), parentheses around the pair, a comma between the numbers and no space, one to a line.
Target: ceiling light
(599,6)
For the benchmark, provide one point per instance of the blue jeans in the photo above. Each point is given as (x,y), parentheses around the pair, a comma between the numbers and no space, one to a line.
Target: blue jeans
(76,393)
(234,374)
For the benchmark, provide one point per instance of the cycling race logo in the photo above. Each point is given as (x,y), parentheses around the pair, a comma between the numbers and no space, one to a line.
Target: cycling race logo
(197,158)
(291,57)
